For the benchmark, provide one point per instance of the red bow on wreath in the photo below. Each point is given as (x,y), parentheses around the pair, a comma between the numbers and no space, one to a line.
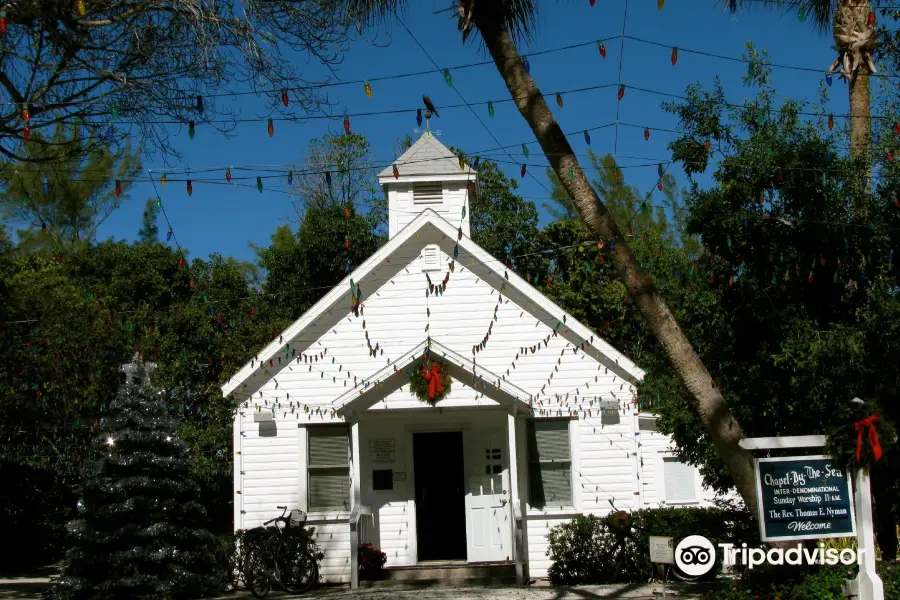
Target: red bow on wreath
(868,424)
(433,378)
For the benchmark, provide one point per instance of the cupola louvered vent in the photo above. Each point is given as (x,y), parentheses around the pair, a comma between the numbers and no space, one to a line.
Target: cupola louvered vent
(429,193)
(431,258)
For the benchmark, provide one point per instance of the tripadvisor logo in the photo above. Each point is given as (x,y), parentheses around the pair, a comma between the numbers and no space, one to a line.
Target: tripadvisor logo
(695,555)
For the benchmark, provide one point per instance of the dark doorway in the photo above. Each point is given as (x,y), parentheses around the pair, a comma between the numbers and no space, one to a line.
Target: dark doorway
(440,495)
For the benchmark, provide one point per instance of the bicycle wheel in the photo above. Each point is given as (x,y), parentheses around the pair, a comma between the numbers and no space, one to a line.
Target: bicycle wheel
(299,573)
(256,575)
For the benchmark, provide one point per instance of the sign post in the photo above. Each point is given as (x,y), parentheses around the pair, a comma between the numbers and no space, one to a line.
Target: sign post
(806,497)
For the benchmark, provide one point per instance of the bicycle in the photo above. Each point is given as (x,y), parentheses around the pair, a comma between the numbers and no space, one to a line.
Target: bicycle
(284,555)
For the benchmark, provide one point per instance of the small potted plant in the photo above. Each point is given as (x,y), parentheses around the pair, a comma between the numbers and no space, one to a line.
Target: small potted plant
(371,563)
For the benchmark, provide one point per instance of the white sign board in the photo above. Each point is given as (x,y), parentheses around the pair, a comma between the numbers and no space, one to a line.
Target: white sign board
(382,450)
(662,550)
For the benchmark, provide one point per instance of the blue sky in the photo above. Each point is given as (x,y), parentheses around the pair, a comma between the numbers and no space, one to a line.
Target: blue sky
(223,219)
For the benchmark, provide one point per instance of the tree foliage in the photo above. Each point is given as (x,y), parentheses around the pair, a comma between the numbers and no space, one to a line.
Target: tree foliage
(115,68)
(58,202)
(788,303)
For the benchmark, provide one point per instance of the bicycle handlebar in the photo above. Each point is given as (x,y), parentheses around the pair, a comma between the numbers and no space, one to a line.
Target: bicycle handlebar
(281,518)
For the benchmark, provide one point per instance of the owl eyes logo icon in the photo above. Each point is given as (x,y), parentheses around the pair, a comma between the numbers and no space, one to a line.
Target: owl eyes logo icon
(695,555)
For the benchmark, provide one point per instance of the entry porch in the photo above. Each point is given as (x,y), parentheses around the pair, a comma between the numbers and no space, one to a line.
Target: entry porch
(440,488)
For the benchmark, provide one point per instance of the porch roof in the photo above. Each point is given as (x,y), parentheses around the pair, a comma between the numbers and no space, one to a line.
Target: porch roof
(366,395)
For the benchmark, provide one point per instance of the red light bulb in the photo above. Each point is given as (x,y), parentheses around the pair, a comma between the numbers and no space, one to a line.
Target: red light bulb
(26,133)
(646,134)
(190,187)
(602,49)
(284,98)
(347,124)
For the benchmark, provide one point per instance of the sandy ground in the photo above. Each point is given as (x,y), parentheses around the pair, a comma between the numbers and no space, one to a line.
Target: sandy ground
(31,588)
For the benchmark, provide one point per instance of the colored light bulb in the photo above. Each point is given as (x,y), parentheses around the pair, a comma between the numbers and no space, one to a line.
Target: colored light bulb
(525,150)
(346,243)
(26,133)
(587,137)
(871,20)
(659,4)
(448,78)
(646,134)
(659,185)
(328,178)
(419,117)
(396,172)
(559,100)
(621,91)
(523,171)
(491,108)
(291,177)
(890,156)
(46,185)
(830,122)
(162,180)
(368,89)
(270,127)
(26,113)
(2,22)
(200,105)
(660,170)
(602,49)
(259,184)
(284,98)
(828,79)
(707,145)
(526,64)
(732,6)
(114,112)
(593,2)
(347,123)
(228,174)
(190,187)
(118,188)
(674,56)
(82,7)
(571,173)
(192,129)
(897,127)
(801,12)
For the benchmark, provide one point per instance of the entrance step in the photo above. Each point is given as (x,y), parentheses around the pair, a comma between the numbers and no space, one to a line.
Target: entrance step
(447,573)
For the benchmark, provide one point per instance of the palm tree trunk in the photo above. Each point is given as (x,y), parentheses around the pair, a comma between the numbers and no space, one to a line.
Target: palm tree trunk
(724,429)
(860,112)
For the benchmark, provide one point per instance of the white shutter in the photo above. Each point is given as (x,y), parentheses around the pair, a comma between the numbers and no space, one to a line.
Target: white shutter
(431,258)
(328,469)
(428,193)
(680,482)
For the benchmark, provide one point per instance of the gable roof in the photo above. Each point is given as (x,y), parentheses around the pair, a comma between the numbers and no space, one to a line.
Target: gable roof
(427,156)
(428,228)
(362,397)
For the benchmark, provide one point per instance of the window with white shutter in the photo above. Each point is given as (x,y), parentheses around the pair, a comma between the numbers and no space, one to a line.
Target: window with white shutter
(680,481)
(328,469)
(428,193)
(550,463)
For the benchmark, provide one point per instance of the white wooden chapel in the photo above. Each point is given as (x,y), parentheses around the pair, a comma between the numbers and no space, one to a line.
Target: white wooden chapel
(539,425)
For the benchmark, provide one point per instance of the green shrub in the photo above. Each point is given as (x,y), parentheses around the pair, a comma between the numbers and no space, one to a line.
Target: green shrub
(583,551)
(801,583)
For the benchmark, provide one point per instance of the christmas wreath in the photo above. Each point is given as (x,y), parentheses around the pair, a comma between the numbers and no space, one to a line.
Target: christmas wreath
(431,383)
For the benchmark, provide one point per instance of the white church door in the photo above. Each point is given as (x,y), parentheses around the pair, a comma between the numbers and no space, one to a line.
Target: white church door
(488,510)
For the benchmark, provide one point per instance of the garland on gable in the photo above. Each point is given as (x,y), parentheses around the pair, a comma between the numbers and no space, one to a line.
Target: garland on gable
(431,383)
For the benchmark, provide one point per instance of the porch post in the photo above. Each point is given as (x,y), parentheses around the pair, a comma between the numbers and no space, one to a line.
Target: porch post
(515,499)
(355,497)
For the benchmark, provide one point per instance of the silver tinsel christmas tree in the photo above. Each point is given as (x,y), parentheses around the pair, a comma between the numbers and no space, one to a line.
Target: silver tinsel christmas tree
(140,528)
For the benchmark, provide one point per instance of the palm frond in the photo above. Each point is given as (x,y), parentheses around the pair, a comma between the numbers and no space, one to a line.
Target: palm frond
(817,13)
